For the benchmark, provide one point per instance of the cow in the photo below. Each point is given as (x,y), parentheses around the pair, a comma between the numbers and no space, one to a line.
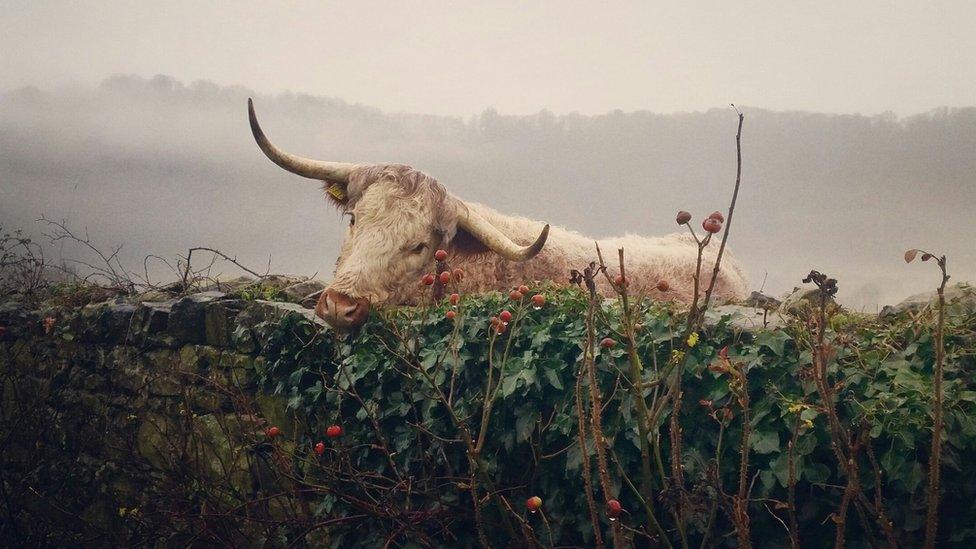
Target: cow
(399,217)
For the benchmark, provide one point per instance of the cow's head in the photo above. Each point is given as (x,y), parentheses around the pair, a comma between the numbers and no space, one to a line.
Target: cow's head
(398,217)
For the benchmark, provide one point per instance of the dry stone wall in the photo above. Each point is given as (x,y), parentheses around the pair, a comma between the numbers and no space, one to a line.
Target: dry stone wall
(103,404)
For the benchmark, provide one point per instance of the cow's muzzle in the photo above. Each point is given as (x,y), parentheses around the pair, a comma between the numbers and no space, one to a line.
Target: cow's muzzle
(341,311)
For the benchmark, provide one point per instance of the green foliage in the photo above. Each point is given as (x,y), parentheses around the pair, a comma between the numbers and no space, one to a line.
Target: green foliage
(266,292)
(389,387)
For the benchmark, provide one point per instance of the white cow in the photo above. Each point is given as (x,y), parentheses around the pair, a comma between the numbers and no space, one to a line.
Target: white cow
(399,216)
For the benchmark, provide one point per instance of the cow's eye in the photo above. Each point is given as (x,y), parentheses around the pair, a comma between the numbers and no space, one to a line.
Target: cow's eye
(352,219)
(419,248)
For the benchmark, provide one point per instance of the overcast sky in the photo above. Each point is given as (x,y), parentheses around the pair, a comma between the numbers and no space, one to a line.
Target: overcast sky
(166,162)
(518,57)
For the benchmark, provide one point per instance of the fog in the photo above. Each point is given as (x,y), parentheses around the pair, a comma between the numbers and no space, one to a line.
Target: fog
(458,58)
(161,166)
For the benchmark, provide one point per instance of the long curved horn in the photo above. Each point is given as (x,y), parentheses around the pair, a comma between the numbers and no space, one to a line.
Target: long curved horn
(313,169)
(497,242)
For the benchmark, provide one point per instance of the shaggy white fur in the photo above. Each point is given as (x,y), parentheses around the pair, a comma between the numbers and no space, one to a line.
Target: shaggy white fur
(401,215)
(648,261)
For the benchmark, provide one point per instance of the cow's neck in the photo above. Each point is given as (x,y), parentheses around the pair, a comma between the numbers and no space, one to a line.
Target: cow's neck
(564,250)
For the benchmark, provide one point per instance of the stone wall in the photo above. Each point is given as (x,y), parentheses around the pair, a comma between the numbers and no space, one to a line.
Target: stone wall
(105,405)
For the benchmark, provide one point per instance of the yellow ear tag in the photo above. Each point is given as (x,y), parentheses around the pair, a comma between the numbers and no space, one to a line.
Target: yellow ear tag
(337,192)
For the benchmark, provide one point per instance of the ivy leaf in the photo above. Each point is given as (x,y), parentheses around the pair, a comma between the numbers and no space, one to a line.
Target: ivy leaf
(524,424)
(552,377)
(325,506)
(816,473)
(540,338)
(529,376)
(315,391)
(509,384)
(806,444)
(765,442)
(775,341)
(780,467)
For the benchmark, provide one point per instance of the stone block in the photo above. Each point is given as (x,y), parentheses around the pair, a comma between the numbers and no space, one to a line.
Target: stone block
(187,318)
(219,322)
(297,293)
(960,299)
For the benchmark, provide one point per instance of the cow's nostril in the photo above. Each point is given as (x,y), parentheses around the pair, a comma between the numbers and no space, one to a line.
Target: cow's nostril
(342,311)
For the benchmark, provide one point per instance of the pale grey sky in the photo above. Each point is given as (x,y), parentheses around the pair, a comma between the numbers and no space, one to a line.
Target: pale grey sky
(459,58)
(846,194)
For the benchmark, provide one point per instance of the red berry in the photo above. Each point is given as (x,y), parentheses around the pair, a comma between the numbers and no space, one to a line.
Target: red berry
(455,298)
(445,277)
(683,217)
(272,432)
(458,274)
(712,225)
(320,448)
(440,255)
(614,508)
(428,279)
(717,215)
(663,286)
(523,288)
(534,503)
(500,328)
(494,321)
(515,295)
(607,342)
(333,431)
(450,315)
(538,300)
(505,316)
(620,281)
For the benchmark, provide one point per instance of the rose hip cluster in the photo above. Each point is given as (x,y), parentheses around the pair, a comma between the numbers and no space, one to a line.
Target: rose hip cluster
(445,275)
(712,224)
(332,431)
(500,323)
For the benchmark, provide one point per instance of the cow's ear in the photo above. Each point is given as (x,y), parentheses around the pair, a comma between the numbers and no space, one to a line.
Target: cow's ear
(464,243)
(337,193)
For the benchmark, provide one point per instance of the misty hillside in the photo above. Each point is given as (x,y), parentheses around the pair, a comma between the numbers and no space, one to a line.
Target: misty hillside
(163,166)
